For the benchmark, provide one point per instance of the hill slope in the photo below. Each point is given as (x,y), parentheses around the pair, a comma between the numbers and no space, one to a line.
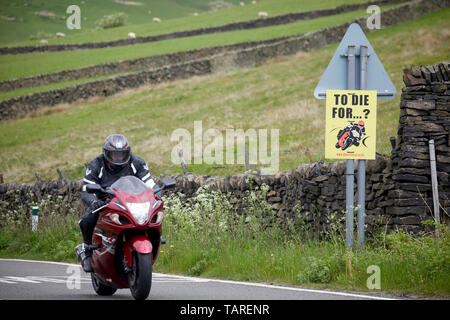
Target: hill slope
(49,17)
(277,94)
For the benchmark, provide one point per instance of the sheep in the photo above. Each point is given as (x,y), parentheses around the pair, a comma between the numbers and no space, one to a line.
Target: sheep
(60,35)
(195,14)
(43,41)
(241,4)
(157,20)
(253,2)
(262,14)
(131,35)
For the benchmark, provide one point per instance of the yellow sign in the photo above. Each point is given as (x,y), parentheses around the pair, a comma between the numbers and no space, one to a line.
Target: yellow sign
(351,124)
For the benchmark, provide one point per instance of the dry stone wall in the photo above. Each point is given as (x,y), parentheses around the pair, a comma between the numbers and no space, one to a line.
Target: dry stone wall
(398,189)
(130,65)
(424,116)
(18,106)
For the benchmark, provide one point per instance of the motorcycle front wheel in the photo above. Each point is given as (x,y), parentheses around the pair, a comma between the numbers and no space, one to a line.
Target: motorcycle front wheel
(347,143)
(100,288)
(140,276)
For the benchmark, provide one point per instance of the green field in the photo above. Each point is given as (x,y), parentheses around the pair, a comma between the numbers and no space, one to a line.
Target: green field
(50,16)
(23,65)
(180,14)
(276,94)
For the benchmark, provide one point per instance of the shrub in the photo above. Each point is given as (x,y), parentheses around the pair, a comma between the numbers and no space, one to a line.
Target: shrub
(57,233)
(323,269)
(112,21)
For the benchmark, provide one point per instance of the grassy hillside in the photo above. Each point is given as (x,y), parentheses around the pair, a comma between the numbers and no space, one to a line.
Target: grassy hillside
(180,13)
(277,94)
(24,65)
(50,16)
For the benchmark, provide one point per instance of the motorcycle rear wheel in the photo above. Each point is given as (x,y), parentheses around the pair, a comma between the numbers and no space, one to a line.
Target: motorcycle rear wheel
(100,288)
(140,277)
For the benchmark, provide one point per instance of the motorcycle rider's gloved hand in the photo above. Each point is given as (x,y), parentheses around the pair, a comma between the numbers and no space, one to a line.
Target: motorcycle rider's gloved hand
(97,204)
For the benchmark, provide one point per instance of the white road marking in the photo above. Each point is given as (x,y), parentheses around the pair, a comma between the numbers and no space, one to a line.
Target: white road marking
(40,279)
(6,281)
(173,278)
(161,277)
(20,279)
(46,279)
(46,262)
(270,286)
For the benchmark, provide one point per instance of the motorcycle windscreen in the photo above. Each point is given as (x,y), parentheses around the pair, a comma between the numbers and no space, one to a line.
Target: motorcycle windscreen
(130,184)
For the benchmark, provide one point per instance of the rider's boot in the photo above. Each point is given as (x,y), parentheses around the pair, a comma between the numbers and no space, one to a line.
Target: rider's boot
(84,253)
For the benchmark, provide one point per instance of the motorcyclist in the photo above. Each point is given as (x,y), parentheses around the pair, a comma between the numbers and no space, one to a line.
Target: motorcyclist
(116,161)
(354,131)
(358,132)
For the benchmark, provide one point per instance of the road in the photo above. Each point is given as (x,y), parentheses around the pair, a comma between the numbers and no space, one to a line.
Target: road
(39,280)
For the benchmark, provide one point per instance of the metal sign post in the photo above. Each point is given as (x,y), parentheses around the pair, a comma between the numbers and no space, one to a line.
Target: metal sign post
(350,163)
(363,55)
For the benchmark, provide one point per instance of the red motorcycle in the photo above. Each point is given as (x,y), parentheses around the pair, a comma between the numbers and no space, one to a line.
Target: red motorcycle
(127,236)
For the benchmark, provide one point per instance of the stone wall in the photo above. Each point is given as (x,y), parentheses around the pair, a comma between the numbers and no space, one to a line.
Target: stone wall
(19,106)
(204,61)
(240,25)
(398,188)
(424,116)
(129,65)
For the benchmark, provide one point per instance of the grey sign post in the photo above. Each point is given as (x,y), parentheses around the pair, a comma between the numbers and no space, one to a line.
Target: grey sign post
(350,164)
(363,55)
(341,74)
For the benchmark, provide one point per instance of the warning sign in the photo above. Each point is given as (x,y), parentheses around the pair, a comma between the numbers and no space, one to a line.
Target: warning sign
(350,124)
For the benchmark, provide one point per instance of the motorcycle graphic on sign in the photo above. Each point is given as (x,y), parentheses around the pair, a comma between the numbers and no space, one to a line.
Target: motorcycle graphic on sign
(352,134)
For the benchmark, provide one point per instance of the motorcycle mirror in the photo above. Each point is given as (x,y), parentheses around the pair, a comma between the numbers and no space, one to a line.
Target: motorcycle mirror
(169,183)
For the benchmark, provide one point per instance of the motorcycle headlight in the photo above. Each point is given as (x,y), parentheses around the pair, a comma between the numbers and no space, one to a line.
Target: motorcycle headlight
(140,211)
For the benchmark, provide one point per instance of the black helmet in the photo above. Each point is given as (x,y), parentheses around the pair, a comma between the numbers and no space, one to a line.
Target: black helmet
(116,150)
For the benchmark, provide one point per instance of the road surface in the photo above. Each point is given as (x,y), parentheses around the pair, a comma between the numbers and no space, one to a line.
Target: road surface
(39,280)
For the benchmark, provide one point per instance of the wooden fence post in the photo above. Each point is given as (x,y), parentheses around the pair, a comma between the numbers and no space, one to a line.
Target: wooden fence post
(247,161)
(183,163)
(61,176)
(38,177)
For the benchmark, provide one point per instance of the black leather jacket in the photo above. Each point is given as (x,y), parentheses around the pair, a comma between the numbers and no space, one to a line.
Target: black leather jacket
(98,172)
